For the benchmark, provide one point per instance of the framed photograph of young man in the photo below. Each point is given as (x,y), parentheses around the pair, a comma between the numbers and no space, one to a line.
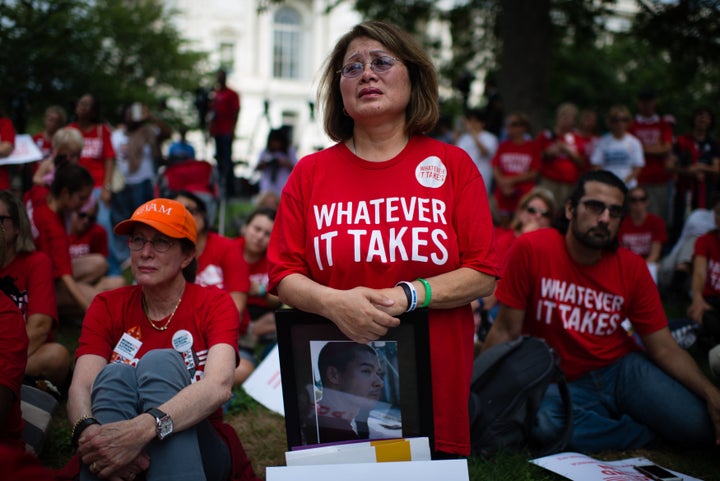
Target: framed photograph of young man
(336,390)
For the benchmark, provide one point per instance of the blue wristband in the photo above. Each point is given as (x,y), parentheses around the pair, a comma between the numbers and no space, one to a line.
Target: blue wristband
(410,294)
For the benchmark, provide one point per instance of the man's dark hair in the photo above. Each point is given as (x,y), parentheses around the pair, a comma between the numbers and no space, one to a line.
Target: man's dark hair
(72,177)
(339,355)
(602,176)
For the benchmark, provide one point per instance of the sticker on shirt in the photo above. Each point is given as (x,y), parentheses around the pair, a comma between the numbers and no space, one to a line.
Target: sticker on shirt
(126,349)
(431,172)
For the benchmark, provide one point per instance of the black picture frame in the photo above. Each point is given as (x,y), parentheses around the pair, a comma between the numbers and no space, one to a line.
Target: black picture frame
(297,330)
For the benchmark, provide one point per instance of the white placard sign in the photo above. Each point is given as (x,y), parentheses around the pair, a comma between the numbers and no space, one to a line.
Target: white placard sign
(25,151)
(264,383)
(579,467)
(446,470)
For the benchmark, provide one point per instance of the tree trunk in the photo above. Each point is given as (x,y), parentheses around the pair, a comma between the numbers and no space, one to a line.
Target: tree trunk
(524,30)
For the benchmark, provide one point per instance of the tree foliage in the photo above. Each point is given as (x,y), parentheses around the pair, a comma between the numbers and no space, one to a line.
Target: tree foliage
(120,50)
(570,53)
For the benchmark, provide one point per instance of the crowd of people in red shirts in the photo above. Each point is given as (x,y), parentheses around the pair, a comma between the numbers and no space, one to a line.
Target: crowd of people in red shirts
(58,245)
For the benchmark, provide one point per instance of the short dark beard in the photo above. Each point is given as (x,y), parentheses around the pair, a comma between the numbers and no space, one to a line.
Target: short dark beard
(609,245)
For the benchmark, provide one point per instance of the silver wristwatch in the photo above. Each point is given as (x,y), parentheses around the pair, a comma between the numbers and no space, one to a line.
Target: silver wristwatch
(163,423)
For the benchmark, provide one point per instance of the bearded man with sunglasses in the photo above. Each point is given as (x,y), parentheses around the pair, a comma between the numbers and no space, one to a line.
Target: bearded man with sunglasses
(578,291)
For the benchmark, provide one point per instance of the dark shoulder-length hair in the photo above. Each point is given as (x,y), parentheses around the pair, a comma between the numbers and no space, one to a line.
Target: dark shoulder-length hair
(422,111)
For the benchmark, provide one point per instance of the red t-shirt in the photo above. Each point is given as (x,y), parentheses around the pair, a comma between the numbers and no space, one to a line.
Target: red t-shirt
(222,266)
(560,168)
(207,313)
(38,194)
(50,237)
(13,357)
(639,238)
(346,222)
(92,241)
(33,276)
(708,246)
(578,309)
(97,149)
(514,159)
(651,131)
(258,272)
(7,134)
(43,143)
(225,106)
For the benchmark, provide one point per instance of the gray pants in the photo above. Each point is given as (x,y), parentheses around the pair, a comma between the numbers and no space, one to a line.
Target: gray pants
(122,392)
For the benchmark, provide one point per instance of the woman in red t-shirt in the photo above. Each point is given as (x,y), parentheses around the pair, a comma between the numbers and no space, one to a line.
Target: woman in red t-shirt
(155,362)
(261,304)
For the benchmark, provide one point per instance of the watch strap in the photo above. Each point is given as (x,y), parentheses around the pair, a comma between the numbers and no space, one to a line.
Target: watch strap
(160,417)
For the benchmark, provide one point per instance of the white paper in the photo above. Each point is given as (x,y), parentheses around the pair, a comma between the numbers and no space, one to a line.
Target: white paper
(331,455)
(264,383)
(359,452)
(579,467)
(445,470)
(25,151)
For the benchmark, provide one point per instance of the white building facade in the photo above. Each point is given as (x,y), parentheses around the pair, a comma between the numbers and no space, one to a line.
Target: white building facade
(273,60)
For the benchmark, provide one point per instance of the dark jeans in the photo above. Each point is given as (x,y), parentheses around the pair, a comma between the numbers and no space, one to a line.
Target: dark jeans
(223,155)
(627,405)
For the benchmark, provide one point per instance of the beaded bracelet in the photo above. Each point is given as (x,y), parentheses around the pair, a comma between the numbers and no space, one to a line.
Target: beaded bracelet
(428,292)
(80,426)
(410,294)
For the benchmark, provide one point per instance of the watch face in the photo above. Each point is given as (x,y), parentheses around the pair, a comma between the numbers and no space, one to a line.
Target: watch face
(164,427)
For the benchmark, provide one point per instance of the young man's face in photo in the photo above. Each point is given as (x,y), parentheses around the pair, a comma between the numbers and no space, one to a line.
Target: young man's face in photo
(362,378)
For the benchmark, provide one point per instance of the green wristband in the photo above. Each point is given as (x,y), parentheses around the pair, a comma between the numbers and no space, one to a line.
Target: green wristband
(428,292)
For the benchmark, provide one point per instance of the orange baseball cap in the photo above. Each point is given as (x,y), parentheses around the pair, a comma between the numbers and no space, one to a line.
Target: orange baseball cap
(167,216)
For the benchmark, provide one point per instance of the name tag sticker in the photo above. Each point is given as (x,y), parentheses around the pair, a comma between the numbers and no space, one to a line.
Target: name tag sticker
(127,347)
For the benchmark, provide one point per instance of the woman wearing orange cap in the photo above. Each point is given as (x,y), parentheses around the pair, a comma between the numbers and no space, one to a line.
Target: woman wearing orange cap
(155,363)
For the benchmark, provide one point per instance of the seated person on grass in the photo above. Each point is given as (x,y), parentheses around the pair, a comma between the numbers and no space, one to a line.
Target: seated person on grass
(89,249)
(252,246)
(69,191)
(641,231)
(27,278)
(705,287)
(16,464)
(574,289)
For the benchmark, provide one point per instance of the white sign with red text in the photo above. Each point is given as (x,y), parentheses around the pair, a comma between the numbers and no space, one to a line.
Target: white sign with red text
(580,467)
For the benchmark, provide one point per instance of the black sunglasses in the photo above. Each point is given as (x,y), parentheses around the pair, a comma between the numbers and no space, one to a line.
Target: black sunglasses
(85,215)
(534,211)
(637,199)
(598,207)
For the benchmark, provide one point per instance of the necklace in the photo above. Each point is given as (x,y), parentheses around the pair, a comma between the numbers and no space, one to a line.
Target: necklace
(170,318)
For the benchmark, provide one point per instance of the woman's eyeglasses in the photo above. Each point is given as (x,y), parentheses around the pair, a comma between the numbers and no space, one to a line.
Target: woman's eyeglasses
(378,65)
(597,207)
(536,211)
(159,244)
(85,215)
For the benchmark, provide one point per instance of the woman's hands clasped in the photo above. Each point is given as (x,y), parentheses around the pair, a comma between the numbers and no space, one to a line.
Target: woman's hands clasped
(365,314)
